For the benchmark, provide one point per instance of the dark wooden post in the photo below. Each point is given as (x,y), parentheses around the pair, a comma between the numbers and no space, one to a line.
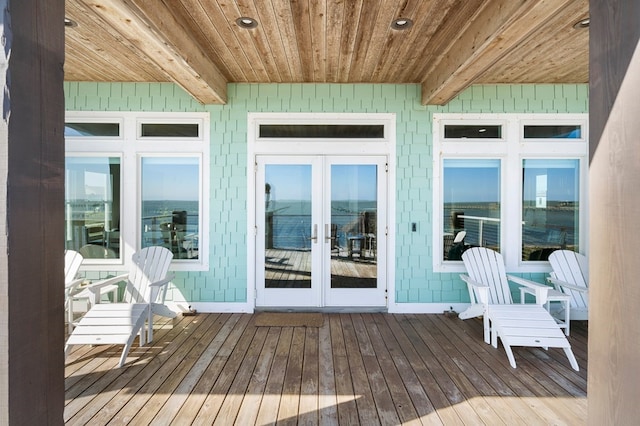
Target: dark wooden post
(31,212)
(614,198)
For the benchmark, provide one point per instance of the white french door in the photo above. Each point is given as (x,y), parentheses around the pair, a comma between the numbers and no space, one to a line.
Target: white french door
(321,231)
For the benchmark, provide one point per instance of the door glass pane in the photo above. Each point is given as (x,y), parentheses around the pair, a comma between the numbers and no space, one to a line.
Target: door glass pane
(471,208)
(550,207)
(288,226)
(354,226)
(92,206)
(171,204)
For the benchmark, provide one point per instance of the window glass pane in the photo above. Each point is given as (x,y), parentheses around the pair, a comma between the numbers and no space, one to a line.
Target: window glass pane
(459,131)
(171,204)
(552,132)
(92,206)
(550,207)
(471,208)
(170,130)
(325,131)
(92,129)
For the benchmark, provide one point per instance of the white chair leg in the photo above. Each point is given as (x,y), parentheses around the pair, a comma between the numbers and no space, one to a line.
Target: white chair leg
(70,315)
(150,325)
(572,359)
(567,316)
(512,360)
(487,328)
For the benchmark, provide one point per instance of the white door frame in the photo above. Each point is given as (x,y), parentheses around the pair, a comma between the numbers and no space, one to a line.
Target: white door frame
(364,147)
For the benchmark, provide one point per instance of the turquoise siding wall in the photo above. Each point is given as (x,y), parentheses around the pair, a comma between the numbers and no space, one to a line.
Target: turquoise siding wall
(415,280)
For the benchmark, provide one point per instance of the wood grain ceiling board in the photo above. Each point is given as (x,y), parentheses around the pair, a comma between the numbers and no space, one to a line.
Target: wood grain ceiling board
(558,53)
(451,45)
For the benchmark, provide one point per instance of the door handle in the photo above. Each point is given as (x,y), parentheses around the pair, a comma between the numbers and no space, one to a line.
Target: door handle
(327,234)
(314,237)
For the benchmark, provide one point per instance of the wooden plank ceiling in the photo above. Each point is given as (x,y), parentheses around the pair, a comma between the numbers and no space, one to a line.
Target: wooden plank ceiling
(451,45)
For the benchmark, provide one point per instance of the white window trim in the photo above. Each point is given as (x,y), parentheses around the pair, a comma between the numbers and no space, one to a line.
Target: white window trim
(307,146)
(511,149)
(130,148)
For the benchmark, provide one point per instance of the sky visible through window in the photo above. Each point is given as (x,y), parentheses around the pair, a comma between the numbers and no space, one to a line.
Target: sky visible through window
(479,180)
(174,178)
(293,182)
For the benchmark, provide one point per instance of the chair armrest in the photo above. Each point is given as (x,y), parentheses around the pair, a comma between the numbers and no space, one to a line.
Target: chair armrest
(565,284)
(480,290)
(165,281)
(541,290)
(159,286)
(72,287)
(96,286)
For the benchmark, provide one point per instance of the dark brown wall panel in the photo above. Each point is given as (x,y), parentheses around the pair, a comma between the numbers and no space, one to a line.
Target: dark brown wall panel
(33,108)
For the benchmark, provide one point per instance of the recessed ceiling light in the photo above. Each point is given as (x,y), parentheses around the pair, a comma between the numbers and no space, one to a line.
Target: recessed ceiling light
(583,23)
(246,22)
(70,23)
(401,24)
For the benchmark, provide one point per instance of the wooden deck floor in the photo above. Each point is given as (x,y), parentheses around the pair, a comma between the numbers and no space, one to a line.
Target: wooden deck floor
(356,369)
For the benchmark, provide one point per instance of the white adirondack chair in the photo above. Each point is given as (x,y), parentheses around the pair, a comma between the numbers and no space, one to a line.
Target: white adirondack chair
(486,267)
(571,276)
(119,323)
(73,290)
(72,262)
(515,324)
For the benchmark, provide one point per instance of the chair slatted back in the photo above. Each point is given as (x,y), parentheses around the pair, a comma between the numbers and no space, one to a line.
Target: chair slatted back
(572,268)
(150,264)
(486,266)
(72,262)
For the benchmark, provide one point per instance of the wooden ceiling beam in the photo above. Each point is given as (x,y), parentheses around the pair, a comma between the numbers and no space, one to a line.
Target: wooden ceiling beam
(151,27)
(499,28)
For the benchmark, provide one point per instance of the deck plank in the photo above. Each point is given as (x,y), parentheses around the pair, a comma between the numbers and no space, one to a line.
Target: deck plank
(380,388)
(308,407)
(248,412)
(358,368)
(290,400)
(214,399)
(196,398)
(142,407)
(233,398)
(346,399)
(421,403)
(327,394)
(401,401)
(268,412)
(364,398)
(219,332)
